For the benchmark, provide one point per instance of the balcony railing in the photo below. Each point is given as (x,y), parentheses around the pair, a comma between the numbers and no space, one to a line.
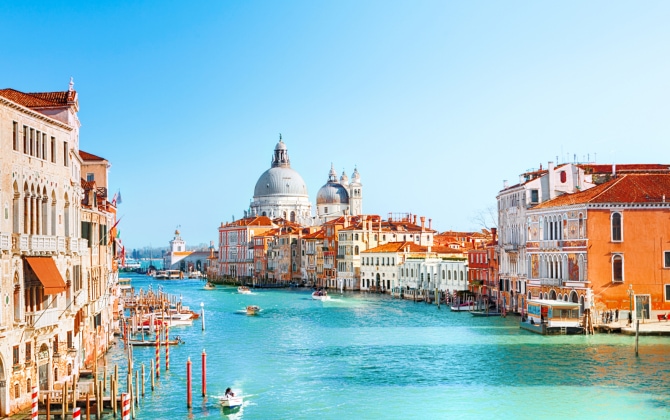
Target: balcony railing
(551,245)
(551,282)
(41,319)
(43,243)
(5,242)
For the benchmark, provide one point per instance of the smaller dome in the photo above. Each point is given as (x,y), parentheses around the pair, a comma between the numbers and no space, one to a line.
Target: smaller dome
(344,179)
(332,193)
(281,145)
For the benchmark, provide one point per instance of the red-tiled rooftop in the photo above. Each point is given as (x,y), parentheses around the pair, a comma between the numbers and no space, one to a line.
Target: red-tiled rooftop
(627,188)
(89,156)
(39,99)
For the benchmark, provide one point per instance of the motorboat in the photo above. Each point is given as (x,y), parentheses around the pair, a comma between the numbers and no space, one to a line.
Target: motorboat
(243,290)
(253,309)
(320,295)
(151,343)
(485,313)
(463,306)
(230,401)
(209,286)
(169,274)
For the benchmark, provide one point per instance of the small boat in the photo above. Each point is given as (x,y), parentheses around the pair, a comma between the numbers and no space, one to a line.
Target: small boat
(463,306)
(209,286)
(485,313)
(174,342)
(253,309)
(320,295)
(243,290)
(231,401)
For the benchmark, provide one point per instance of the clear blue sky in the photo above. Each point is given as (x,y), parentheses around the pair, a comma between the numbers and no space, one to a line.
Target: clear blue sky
(435,102)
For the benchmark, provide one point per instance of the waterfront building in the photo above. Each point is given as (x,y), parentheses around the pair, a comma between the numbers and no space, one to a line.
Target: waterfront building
(536,187)
(56,269)
(236,246)
(605,247)
(312,245)
(190,263)
(369,231)
(283,253)
(408,266)
(280,191)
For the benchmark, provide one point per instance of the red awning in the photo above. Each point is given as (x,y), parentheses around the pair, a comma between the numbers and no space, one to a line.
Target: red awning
(46,271)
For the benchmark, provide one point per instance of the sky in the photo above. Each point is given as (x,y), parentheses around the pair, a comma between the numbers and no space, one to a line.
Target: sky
(436,103)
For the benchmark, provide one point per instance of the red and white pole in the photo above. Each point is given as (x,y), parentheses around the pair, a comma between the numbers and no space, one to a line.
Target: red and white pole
(76,414)
(158,354)
(189,396)
(204,373)
(167,348)
(125,406)
(33,412)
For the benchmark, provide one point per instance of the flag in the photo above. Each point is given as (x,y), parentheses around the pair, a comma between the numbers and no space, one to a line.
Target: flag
(114,200)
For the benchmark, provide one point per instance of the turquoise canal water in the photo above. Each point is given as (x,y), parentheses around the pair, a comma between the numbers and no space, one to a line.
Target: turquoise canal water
(368,357)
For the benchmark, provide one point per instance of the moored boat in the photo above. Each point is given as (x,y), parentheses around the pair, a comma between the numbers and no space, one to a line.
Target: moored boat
(485,313)
(463,306)
(546,317)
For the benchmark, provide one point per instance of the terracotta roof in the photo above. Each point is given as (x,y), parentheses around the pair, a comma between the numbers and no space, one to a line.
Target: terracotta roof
(39,99)
(398,247)
(622,168)
(89,156)
(251,221)
(627,188)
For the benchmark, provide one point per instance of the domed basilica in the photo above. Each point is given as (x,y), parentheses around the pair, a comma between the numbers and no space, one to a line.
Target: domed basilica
(281,192)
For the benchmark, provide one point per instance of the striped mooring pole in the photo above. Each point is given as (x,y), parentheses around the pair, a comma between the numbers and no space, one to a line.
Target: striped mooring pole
(125,406)
(33,411)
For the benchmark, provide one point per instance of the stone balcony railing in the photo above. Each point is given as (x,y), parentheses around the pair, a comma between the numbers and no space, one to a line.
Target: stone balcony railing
(41,319)
(5,242)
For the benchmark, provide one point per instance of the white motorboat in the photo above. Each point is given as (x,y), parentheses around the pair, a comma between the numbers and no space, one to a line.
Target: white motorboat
(243,290)
(320,295)
(231,401)
(463,306)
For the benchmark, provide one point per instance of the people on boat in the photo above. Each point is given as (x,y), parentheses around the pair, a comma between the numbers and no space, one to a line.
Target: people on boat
(229,393)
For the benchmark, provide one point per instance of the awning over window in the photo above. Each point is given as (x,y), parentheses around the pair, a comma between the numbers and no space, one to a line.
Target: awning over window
(46,271)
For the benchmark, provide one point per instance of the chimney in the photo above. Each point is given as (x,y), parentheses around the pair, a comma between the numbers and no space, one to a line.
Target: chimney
(423,222)
(430,224)
(614,170)
(550,180)
(494,232)
(415,219)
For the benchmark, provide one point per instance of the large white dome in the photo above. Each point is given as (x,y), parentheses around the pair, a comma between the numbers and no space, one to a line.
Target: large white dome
(280,191)
(280,181)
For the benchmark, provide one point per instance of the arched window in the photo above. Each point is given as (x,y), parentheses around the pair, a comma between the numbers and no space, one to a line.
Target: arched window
(616,227)
(356,249)
(617,268)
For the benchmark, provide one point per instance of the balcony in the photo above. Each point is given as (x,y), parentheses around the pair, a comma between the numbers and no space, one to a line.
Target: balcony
(43,243)
(553,245)
(5,242)
(551,282)
(41,319)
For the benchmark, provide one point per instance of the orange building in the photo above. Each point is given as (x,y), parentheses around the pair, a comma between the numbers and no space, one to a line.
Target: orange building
(607,248)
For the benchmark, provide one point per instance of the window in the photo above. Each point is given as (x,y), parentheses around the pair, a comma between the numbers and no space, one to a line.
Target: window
(15,136)
(667,292)
(25,139)
(666,255)
(44,146)
(617,268)
(29,353)
(534,197)
(65,150)
(70,344)
(15,355)
(53,149)
(616,227)
(90,177)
